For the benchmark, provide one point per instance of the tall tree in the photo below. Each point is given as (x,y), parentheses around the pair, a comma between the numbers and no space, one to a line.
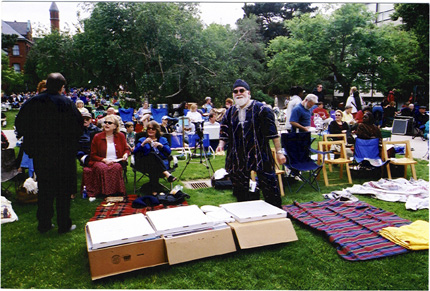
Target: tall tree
(52,53)
(415,18)
(345,44)
(271,15)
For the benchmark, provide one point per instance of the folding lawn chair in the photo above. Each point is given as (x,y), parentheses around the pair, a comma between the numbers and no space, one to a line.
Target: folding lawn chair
(297,147)
(126,114)
(9,171)
(366,153)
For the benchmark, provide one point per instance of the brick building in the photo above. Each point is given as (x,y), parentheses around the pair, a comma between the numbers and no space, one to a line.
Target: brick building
(18,52)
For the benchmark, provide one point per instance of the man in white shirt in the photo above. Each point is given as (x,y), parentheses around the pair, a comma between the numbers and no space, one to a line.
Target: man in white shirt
(296,93)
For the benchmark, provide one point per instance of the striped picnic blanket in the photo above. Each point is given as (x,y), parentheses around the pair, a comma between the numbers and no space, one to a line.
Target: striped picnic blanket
(351,226)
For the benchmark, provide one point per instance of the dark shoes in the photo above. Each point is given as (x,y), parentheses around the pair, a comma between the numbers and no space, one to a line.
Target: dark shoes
(43,230)
(73,227)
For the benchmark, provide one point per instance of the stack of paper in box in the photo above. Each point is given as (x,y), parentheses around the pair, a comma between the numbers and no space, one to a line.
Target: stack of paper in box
(121,230)
(253,210)
(259,224)
(179,220)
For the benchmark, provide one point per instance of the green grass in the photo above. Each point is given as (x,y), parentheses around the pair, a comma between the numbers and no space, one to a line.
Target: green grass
(52,261)
(10,119)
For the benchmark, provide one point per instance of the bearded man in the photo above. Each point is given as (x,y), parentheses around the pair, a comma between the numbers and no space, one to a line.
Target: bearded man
(247,128)
(301,115)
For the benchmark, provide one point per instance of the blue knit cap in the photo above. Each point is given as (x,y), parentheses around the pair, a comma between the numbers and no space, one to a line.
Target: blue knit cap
(241,83)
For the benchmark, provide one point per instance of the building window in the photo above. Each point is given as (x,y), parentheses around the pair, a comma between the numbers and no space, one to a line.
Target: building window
(17,68)
(15,50)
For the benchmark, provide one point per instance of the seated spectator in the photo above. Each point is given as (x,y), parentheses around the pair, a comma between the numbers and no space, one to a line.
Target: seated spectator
(211,120)
(144,113)
(360,114)
(347,116)
(421,118)
(90,130)
(408,111)
(367,129)
(111,111)
(164,126)
(109,152)
(228,103)
(194,115)
(338,126)
(322,113)
(80,105)
(98,106)
(152,156)
(130,135)
(208,105)
(389,113)
(179,111)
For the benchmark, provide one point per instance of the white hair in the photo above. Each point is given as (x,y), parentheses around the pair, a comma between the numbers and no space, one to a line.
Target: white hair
(312,97)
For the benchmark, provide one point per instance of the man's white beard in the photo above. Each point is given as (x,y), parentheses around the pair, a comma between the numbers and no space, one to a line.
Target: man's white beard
(241,101)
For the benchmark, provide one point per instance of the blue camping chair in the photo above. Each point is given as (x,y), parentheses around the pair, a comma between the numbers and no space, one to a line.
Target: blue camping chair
(297,147)
(366,151)
(126,114)
(158,113)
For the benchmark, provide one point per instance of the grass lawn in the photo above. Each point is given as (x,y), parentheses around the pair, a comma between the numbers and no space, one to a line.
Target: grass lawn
(51,261)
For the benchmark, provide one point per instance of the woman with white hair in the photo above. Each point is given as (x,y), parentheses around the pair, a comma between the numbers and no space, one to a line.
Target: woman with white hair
(80,106)
(109,152)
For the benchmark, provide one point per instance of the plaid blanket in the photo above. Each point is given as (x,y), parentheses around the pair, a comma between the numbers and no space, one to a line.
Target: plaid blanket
(117,209)
(352,227)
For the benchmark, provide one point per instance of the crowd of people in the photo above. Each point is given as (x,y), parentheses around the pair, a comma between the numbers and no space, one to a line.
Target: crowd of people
(97,136)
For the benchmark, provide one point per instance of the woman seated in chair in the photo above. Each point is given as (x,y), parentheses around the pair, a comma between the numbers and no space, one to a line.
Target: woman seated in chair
(367,129)
(109,153)
(337,126)
(151,156)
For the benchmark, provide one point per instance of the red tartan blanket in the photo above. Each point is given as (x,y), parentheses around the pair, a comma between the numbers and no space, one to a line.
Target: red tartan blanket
(124,208)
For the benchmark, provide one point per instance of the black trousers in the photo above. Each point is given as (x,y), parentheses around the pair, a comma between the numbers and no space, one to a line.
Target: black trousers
(267,182)
(56,182)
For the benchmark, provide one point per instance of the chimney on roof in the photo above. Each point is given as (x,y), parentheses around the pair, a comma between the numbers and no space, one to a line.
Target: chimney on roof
(55,17)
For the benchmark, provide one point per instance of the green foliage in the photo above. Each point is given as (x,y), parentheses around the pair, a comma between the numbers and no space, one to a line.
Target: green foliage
(11,80)
(348,46)
(415,18)
(52,53)
(8,40)
(271,16)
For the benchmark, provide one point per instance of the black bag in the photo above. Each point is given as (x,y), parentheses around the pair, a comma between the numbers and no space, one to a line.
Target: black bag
(221,184)
(170,199)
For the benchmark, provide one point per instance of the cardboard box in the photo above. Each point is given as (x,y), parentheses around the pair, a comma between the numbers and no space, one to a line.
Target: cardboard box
(125,258)
(120,230)
(264,232)
(198,245)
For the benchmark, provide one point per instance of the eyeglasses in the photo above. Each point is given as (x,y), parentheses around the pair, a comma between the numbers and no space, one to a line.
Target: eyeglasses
(338,115)
(150,128)
(239,91)
(108,122)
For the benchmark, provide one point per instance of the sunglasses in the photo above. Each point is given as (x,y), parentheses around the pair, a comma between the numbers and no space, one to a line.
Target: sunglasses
(108,122)
(150,128)
(239,91)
